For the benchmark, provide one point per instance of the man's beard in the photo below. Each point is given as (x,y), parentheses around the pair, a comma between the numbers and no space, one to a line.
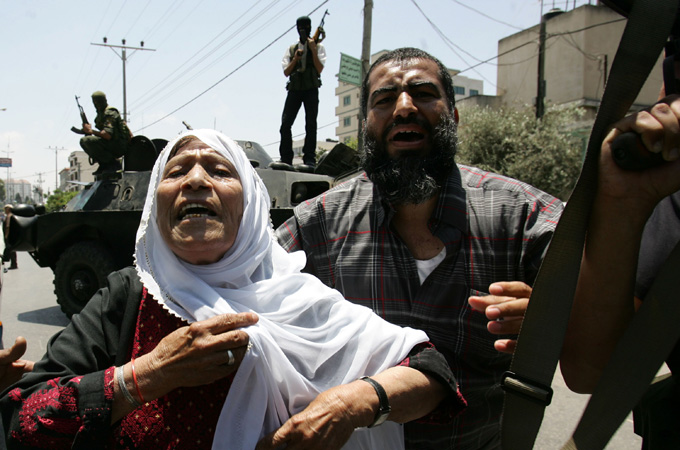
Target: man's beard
(410,177)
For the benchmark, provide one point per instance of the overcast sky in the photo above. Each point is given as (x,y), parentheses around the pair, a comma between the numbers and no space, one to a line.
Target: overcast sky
(231,49)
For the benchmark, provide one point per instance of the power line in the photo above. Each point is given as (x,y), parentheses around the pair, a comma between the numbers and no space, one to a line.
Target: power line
(335,121)
(229,74)
(153,93)
(450,44)
(486,15)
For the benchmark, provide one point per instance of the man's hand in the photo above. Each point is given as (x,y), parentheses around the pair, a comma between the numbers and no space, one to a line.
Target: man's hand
(11,367)
(87,129)
(311,45)
(505,308)
(636,193)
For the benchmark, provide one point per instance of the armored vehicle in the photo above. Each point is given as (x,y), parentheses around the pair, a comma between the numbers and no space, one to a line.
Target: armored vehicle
(95,232)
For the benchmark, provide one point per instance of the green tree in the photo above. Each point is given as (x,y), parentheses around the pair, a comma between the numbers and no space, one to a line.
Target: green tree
(58,200)
(2,189)
(545,153)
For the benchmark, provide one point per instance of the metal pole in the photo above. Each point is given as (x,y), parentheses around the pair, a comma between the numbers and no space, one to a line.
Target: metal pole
(540,89)
(124,92)
(365,61)
(123,56)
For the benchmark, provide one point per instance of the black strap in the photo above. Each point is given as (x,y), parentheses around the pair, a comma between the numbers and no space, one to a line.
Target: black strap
(384,408)
(545,323)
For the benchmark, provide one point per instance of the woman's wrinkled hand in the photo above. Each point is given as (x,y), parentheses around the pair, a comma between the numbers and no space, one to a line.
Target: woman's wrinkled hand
(195,355)
(326,423)
(505,308)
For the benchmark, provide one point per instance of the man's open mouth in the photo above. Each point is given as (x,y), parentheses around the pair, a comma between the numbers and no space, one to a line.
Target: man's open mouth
(195,210)
(408,136)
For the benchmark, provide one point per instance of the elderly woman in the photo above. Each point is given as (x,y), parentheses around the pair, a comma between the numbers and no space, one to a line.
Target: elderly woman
(216,339)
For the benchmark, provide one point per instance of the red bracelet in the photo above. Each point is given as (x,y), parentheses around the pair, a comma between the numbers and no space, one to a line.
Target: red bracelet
(134,378)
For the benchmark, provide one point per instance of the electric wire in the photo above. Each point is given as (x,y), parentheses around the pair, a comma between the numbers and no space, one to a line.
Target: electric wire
(220,57)
(229,74)
(153,94)
(451,45)
(486,15)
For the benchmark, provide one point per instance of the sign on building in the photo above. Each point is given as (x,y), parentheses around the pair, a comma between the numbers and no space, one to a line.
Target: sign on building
(350,70)
(5,162)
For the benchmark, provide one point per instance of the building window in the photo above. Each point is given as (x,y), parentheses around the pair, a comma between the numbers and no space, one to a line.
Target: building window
(347,139)
(347,121)
(347,100)
(474,92)
(459,90)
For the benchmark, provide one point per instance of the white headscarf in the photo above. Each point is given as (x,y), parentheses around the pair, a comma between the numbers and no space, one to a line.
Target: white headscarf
(308,338)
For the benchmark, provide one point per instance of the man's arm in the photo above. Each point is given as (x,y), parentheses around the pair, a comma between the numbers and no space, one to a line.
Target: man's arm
(603,305)
(316,57)
(289,67)
(87,128)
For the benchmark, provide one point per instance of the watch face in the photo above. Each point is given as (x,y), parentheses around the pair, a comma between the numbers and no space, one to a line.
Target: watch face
(381,418)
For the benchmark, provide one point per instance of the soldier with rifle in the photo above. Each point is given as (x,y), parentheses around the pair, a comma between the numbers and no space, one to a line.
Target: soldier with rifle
(106,144)
(302,63)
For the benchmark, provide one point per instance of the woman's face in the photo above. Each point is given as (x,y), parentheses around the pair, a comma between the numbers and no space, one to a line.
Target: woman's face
(200,203)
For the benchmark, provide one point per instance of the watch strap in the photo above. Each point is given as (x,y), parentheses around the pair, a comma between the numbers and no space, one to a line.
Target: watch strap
(384,408)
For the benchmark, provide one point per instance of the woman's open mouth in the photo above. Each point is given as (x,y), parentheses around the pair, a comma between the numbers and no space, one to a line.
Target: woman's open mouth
(193,210)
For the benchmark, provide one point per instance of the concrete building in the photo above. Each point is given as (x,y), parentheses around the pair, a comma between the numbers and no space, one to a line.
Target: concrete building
(349,100)
(63,179)
(18,191)
(79,171)
(579,50)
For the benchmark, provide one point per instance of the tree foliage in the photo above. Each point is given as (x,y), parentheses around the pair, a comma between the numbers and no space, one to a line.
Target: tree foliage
(543,153)
(58,200)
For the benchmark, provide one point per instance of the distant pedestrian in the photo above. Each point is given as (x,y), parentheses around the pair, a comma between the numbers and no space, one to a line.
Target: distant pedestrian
(7,255)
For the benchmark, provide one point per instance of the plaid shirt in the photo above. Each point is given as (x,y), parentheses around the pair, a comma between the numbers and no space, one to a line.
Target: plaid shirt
(494,228)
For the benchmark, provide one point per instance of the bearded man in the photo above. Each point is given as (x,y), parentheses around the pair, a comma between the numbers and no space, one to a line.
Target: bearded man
(416,235)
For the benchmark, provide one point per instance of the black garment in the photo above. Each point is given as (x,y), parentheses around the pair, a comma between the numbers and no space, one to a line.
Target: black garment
(657,415)
(295,99)
(661,235)
(101,336)
(95,340)
(6,254)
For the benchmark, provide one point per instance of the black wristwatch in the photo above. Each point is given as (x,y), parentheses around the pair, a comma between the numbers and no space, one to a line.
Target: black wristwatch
(384,408)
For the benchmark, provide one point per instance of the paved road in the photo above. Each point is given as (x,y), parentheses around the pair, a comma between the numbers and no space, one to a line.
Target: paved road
(29,308)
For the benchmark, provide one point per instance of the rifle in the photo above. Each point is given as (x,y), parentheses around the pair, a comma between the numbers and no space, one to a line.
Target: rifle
(83,118)
(628,150)
(320,34)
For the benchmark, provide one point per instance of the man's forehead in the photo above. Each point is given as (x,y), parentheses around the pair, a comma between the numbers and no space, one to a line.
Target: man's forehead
(408,70)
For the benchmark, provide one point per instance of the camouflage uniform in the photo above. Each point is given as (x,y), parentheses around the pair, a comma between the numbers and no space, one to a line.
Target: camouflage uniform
(99,149)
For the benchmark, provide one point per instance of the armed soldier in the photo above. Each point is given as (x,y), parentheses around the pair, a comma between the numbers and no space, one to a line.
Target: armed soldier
(110,141)
(303,63)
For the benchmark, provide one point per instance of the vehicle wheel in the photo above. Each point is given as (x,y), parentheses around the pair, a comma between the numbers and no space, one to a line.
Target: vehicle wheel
(80,271)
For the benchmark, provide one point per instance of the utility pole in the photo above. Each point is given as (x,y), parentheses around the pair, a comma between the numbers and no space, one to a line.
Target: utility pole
(40,189)
(540,89)
(365,60)
(56,170)
(541,84)
(123,56)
